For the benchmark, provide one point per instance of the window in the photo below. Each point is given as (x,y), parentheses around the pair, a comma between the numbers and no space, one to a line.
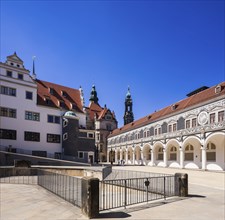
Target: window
(51,90)
(53,138)
(39,153)
(64,93)
(211,152)
(34,116)
(80,155)
(108,127)
(159,131)
(173,153)
(8,91)
(9,73)
(7,134)
(53,119)
(90,135)
(65,136)
(221,116)
(20,76)
(62,104)
(65,122)
(31,136)
(194,122)
(188,124)
(174,127)
(160,154)
(155,131)
(212,118)
(170,128)
(7,112)
(29,95)
(189,153)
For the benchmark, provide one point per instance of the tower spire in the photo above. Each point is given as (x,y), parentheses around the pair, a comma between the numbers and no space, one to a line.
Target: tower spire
(128,115)
(93,97)
(33,73)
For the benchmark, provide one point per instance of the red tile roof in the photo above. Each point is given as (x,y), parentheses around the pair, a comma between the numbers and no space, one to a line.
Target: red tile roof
(69,97)
(191,101)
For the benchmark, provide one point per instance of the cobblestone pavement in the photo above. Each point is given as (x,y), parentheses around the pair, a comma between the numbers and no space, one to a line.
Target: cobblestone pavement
(206,201)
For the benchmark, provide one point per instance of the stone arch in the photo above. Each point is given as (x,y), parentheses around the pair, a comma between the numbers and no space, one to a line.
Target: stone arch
(215,155)
(130,155)
(146,154)
(192,141)
(137,151)
(173,153)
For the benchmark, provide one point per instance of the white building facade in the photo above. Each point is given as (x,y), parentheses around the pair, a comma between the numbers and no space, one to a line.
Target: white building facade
(31,119)
(188,134)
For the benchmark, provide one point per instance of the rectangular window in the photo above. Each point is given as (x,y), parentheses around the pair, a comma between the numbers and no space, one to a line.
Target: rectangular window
(174,127)
(188,124)
(8,91)
(80,155)
(155,131)
(211,156)
(53,138)
(62,104)
(9,73)
(194,122)
(188,156)
(53,119)
(29,95)
(173,156)
(221,116)
(7,112)
(7,134)
(159,131)
(34,116)
(170,128)
(20,76)
(39,153)
(51,90)
(212,118)
(31,136)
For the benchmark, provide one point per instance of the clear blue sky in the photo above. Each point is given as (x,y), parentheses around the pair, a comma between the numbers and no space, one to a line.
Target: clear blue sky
(161,49)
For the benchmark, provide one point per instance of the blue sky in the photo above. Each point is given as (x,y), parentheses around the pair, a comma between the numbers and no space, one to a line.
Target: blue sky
(161,49)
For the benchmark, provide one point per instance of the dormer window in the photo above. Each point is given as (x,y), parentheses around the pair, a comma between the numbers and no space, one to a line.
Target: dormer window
(218,89)
(74,106)
(174,106)
(9,73)
(12,64)
(62,104)
(64,94)
(51,91)
(18,65)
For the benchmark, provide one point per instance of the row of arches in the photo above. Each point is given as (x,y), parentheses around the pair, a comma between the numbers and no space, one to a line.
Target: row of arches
(192,153)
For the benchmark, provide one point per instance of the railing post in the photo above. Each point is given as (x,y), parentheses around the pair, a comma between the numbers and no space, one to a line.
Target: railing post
(90,196)
(181,184)
(164,187)
(125,193)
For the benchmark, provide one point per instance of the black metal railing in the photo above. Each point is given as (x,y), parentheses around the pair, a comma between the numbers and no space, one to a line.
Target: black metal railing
(125,192)
(128,174)
(67,187)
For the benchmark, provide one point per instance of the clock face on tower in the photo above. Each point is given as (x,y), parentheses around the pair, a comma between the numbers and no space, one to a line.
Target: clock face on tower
(203,118)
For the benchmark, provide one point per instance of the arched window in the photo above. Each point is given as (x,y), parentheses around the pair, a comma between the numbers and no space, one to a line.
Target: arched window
(173,153)
(160,154)
(211,152)
(189,153)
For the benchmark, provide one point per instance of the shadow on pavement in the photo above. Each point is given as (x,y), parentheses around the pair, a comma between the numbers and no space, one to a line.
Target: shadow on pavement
(196,196)
(113,215)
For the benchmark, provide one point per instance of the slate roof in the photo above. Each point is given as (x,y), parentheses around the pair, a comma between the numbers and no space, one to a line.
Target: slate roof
(179,106)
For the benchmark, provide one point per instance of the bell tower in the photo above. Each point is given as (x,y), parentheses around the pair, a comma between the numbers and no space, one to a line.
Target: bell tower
(128,115)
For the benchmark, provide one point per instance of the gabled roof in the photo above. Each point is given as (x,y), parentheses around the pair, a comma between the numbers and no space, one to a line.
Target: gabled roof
(15,58)
(93,109)
(60,93)
(177,107)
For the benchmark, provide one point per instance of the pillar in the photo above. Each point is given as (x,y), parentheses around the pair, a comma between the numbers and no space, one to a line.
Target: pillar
(133,156)
(181,158)
(108,157)
(203,148)
(126,157)
(152,157)
(164,157)
(142,157)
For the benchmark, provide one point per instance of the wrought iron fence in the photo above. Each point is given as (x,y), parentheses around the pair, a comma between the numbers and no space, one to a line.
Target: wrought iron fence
(67,187)
(125,192)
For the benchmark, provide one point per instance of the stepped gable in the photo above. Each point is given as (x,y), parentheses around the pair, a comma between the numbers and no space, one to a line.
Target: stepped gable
(71,97)
(194,99)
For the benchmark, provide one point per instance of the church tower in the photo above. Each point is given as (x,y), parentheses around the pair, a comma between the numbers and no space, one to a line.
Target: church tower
(128,115)
(93,97)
